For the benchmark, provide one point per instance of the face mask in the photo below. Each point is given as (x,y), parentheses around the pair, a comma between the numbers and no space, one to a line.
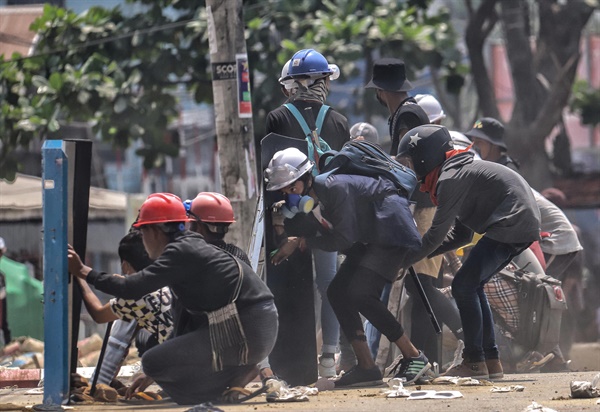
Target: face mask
(297,204)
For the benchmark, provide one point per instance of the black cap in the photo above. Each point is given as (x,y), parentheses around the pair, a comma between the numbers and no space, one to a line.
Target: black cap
(488,129)
(389,75)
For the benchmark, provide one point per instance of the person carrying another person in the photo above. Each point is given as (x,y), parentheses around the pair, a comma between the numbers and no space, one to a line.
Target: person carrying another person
(224,317)
(367,219)
(471,197)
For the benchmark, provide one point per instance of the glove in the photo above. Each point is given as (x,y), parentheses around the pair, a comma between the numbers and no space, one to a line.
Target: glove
(277,217)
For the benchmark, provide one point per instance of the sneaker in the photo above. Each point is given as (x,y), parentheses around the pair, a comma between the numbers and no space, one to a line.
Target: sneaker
(475,370)
(411,369)
(358,376)
(327,367)
(495,370)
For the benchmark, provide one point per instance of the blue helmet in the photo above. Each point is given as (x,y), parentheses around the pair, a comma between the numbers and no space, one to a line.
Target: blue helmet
(309,63)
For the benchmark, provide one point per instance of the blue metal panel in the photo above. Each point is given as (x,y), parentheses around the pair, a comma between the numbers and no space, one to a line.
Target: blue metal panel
(56,280)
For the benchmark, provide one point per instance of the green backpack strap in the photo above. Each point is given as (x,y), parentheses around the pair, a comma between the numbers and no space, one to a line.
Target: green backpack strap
(321,117)
(301,120)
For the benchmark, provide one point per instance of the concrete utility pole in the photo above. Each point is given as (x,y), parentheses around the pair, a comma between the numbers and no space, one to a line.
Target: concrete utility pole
(233,112)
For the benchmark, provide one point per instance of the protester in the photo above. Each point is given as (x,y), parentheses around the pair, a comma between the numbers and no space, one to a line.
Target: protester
(487,135)
(376,237)
(152,312)
(471,197)
(5,336)
(225,318)
(364,131)
(213,214)
(432,107)
(389,80)
(306,84)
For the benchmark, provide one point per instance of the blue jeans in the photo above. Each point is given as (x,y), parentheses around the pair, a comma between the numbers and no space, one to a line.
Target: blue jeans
(325,270)
(485,259)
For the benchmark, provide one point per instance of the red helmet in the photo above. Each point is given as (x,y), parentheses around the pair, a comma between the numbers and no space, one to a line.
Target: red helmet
(161,208)
(210,207)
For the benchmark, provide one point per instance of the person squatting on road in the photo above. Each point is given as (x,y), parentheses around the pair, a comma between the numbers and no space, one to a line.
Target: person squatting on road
(471,197)
(369,220)
(225,318)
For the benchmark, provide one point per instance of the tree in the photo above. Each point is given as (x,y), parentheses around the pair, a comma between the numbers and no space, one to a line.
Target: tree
(116,72)
(542,40)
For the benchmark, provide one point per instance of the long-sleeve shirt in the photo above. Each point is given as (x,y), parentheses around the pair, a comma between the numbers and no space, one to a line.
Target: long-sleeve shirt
(481,197)
(362,209)
(201,276)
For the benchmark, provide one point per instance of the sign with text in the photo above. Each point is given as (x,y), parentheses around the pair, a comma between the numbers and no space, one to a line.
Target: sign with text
(224,71)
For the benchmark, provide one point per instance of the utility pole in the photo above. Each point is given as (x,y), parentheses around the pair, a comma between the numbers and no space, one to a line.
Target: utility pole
(233,112)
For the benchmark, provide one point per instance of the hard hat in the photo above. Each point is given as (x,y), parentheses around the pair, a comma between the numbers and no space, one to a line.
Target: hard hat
(426,145)
(366,130)
(309,63)
(210,207)
(461,142)
(161,208)
(289,82)
(286,167)
(431,106)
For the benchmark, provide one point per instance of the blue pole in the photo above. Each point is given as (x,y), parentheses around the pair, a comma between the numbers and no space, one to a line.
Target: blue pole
(56,281)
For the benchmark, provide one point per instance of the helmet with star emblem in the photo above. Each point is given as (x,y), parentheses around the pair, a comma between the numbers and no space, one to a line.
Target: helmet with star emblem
(426,146)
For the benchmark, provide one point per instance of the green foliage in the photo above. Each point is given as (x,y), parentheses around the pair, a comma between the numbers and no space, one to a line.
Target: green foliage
(586,101)
(114,71)
(345,32)
(118,72)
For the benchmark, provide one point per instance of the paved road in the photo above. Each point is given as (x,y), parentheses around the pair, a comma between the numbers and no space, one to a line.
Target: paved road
(549,390)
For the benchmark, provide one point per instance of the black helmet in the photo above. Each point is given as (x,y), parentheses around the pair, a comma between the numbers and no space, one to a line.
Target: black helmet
(426,145)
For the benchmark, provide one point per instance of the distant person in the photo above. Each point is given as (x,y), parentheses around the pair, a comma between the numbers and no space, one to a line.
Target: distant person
(4,330)
(487,135)
(364,131)
(432,107)
(389,81)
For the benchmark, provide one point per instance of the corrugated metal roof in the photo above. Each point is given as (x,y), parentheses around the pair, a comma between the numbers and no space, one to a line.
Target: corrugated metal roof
(15,35)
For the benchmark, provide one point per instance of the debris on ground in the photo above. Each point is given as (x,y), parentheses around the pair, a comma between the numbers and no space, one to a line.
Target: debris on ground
(512,388)
(279,391)
(395,389)
(536,407)
(444,380)
(417,395)
(584,389)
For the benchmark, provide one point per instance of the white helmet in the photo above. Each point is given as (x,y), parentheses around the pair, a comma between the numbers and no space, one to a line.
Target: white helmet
(288,83)
(431,106)
(461,142)
(286,167)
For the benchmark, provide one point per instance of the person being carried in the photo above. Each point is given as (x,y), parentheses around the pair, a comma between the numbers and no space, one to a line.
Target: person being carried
(368,219)
(224,316)
(471,197)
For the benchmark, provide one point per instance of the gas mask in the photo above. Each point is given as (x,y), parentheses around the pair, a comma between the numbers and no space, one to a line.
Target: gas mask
(297,204)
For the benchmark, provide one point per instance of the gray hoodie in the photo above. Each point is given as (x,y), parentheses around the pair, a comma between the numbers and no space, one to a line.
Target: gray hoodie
(481,197)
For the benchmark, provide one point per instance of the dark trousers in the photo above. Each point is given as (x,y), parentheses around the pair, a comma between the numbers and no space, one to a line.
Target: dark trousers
(487,258)
(182,366)
(356,290)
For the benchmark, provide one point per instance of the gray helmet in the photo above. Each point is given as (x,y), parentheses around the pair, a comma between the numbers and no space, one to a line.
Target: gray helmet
(286,167)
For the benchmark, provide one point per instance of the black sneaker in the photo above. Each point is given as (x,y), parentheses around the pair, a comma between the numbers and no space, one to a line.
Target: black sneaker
(411,369)
(360,377)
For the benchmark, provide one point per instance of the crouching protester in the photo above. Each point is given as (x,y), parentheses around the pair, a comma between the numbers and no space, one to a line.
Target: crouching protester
(471,197)
(224,317)
(369,220)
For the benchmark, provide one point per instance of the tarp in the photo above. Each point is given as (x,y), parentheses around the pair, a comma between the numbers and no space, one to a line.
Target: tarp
(24,300)
(22,200)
